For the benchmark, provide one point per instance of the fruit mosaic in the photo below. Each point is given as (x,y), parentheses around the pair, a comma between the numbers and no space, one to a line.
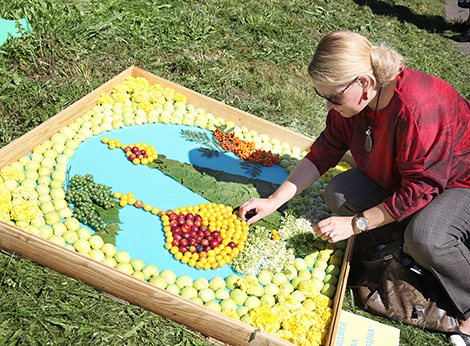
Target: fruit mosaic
(289,294)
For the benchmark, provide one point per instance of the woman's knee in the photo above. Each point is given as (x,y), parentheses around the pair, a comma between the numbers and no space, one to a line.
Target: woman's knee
(423,242)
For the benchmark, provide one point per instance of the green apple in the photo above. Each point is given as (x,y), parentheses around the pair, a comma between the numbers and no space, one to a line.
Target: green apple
(267,300)
(73,224)
(137,264)
(320,263)
(309,304)
(222,293)
(246,319)
(65,213)
(329,290)
(197,300)
(286,288)
(341,244)
(58,239)
(217,283)
(264,277)
(82,245)
(271,289)
(125,267)
(339,253)
(279,278)
(310,259)
(238,296)
(184,281)
(298,296)
(169,276)
(335,260)
(228,304)
(206,294)
(109,261)
(96,242)
(305,274)
(188,292)
(158,281)
(330,279)
(318,273)
(137,274)
(46,231)
(70,236)
(52,217)
(212,304)
(231,281)
(82,232)
(291,272)
(300,264)
(173,288)
(108,249)
(252,302)
(122,257)
(242,310)
(333,270)
(97,255)
(149,271)
(201,283)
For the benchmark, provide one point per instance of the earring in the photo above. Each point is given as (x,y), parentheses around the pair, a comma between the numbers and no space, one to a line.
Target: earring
(364,95)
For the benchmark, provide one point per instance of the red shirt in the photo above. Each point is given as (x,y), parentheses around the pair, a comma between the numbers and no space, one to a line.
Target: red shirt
(421,142)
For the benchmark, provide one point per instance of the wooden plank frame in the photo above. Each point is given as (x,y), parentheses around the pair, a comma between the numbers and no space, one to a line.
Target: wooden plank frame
(136,291)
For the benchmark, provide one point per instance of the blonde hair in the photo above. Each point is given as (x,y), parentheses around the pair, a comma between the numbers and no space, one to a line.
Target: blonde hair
(343,55)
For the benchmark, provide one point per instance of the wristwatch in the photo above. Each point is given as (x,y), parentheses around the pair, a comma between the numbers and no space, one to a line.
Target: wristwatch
(361,223)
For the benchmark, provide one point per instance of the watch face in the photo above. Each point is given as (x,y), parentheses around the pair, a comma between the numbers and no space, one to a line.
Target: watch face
(362,224)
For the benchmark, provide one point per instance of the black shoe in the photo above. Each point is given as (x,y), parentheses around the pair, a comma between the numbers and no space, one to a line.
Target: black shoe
(460,339)
(461,27)
(464,37)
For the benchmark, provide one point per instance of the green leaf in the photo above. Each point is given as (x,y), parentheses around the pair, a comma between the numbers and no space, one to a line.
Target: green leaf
(109,233)
(110,215)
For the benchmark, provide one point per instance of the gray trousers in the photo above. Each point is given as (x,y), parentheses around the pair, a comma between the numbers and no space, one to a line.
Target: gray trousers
(435,236)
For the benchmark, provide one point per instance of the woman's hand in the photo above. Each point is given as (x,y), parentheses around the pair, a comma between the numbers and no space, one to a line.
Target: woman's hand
(258,208)
(334,228)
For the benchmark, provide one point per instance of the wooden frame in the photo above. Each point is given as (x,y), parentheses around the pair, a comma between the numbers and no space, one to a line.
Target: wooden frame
(127,287)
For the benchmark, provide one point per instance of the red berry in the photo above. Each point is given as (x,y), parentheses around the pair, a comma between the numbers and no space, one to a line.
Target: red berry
(183,249)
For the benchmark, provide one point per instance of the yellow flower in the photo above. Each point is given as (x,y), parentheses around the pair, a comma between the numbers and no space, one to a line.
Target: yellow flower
(231,313)
(298,322)
(308,288)
(21,192)
(322,300)
(4,217)
(9,172)
(105,98)
(248,284)
(263,318)
(25,211)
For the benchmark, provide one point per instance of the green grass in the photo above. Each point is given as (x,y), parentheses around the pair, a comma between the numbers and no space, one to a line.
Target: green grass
(251,54)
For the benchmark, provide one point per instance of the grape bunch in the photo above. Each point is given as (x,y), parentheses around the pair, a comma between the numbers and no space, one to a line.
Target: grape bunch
(85,195)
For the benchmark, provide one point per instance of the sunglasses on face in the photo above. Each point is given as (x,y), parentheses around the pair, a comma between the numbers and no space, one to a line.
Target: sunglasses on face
(333,99)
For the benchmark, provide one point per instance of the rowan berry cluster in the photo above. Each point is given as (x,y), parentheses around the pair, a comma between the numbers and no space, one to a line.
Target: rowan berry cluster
(246,150)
